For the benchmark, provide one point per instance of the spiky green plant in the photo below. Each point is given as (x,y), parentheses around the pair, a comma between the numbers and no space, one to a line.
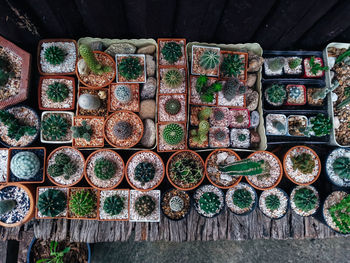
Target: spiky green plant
(114,205)
(130,68)
(145,205)
(172,106)
(321,125)
(173,78)
(25,165)
(173,134)
(218,115)
(62,158)
(82,202)
(55,170)
(200,135)
(54,55)
(242,198)
(122,130)
(205,91)
(233,88)
(57,91)
(242,137)
(276,64)
(340,213)
(294,63)
(220,135)
(144,172)
(246,167)
(303,162)
(186,171)
(272,202)
(276,94)
(204,113)
(209,202)
(54,127)
(209,59)
(104,169)
(52,202)
(69,169)
(341,167)
(171,52)
(91,61)
(7,206)
(305,199)
(315,67)
(232,65)
(84,131)
(6,71)
(63,166)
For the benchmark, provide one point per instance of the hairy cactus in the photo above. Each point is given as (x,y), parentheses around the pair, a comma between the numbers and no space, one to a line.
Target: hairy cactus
(114,205)
(62,158)
(303,162)
(209,202)
(122,130)
(205,91)
(52,202)
(186,171)
(171,52)
(305,199)
(6,71)
(123,94)
(294,63)
(176,203)
(82,202)
(104,169)
(232,65)
(276,94)
(276,64)
(220,135)
(55,170)
(89,101)
(209,59)
(172,106)
(84,131)
(340,214)
(91,61)
(130,68)
(145,205)
(233,88)
(55,127)
(25,165)
(294,92)
(7,206)
(246,167)
(242,198)
(54,55)
(341,167)
(218,115)
(144,172)
(57,92)
(173,134)
(272,202)
(173,78)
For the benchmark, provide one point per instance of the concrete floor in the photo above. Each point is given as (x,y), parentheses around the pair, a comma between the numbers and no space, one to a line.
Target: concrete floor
(335,250)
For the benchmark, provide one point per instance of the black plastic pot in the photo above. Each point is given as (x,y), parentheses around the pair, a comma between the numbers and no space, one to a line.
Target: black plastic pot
(328,177)
(161,208)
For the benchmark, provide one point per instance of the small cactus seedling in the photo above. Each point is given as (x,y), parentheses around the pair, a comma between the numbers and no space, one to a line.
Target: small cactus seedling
(54,55)
(55,127)
(122,130)
(172,106)
(176,203)
(52,202)
(209,59)
(173,78)
(276,64)
(294,63)
(232,66)
(114,205)
(7,206)
(123,94)
(272,202)
(276,94)
(173,134)
(233,88)
(305,199)
(82,202)
(145,205)
(130,68)
(104,169)
(245,167)
(303,162)
(25,165)
(294,92)
(57,92)
(144,172)
(171,52)
(209,202)
(242,198)
(91,61)
(89,101)
(84,131)
(341,167)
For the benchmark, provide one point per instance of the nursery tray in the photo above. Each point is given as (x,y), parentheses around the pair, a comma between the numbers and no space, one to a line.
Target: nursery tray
(252,47)
(138,43)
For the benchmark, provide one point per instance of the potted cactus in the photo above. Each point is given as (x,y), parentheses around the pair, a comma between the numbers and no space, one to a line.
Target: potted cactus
(338,167)
(83,203)
(233,64)
(104,169)
(145,207)
(131,68)
(172,107)
(199,137)
(273,203)
(233,93)
(51,202)
(293,66)
(296,95)
(274,66)
(172,80)
(114,205)
(304,200)
(175,204)
(92,102)
(124,97)
(88,131)
(314,67)
(56,127)
(209,201)
(171,52)
(241,199)
(275,95)
(171,136)
(204,90)
(239,119)
(276,124)
(144,170)
(205,60)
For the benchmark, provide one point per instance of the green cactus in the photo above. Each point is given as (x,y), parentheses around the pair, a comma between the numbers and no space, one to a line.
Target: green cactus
(69,169)
(145,205)
(246,167)
(294,92)
(7,206)
(232,65)
(233,88)
(242,198)
(57,92)
(321,125)
(55,170)
(123,94)
(114,205)
(272,202)
(84,131)
(209,202)
(6,71)
(130,68)
(209,59)
(91,61)
(144,172)
(220,135)
(200,135)
(82,202)
(303,162)
(276,64)
(173,134)
(276,94)
(104,169)
(186,171)
(52,202)
(204,113)
(205,91)
(239,118)
(25,165)
(62,158)
(122,130)
(305,199)
(63,166)
(172,106)
(342,104)
(171,52)
(315,67)
(341,167)
(173,78)
(340,213)
(54,127)
(54,55)
(242,137)
(294,63)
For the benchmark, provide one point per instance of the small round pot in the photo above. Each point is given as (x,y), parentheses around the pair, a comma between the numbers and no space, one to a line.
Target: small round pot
(291,200)
(196,205)
(250,210)
(288,204)
(346,184)
(172,219)
(167,170)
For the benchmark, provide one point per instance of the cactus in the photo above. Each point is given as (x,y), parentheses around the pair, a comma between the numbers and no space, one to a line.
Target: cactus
(294,63)
(55,127)
(54,55)
(232,66)
(205,91)
(114,205)
(176,203)
(340,214)
(279,126)
(320,125)
(294,92)
(315,67)
(25,165)
(7,206)
(242,198)
(342,104)
(82,202)
(63,166)
(57,92)
(6,71)
(52,202)
(343,56)
(239,118)
(233,88)
(173,78)
(204,113)
(305,199)
(104,169)
(172,106)
(186,171)
(123,94)
(276,64)
(84,131)
(322,93)
(341,167)
(173,134)
(145,205)
(171,52)
(89,101)
(209,202)
(209,59)
(55,170)
(276,94)
(91,61)
(242,137)
(246,167)
(218,115)
(201,134)
(130,68)
(122,130)
(144,172)
(303,162)
(69,169)
(220,135)
(272,202)
(62,158)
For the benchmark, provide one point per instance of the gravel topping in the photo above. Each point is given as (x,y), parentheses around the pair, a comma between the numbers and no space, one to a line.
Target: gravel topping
(97,139)
(181,61)
(299,211)
(332,199)
(281,211)
(195,97)
(270,130)
(124,214)
(44,189)
(229,200)
(154,216)
(340,152)
(225,121)
(164,89)
(132,105)
(297,123)
(47,103)
(269,72)
(296,71)
(233,119)
(219,144)
(194,120)
(163,146)
(235,142)
(205,189)
(3,164)
(164,116)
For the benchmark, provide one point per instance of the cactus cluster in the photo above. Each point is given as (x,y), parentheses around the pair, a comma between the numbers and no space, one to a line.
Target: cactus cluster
(84,131)
(321,125)
(200,135)
(52,202)
(91,61)
(145,205)
(114,205)
(6,71)
(206,91)
(232,65)
(25,165)
(173,134)
(305,199)
(276,94)
(144,172)
(242,198)
(233,88)
(209,59)
(173,78)
(89,101)
(340,214)
(172,106)
(104,169)
(246,167)
(276,64)
(186,171)
(54,55)
(57,91)
(55,127)
(130,68)
(294,92)
(209,202)
(63,166)
(341,167)
(272,202)
(315,67)
(82,202)
(171,52)
(176,203)
(303,162)
(7,206)
(122,130)
(294,63)
(123,94)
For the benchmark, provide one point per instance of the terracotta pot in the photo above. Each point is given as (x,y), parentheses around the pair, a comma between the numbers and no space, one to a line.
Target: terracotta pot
(30,191)
(47,162)
(304,91)
(135,87)
(127,177)
(128,208)
(158,131)
(97,193)
(159,40)
(55,40)
(245,64)
(206,165)
(37,199)
(317,160)
(168,164)
(41,107)
(86,174)
(74,144)
(307,74)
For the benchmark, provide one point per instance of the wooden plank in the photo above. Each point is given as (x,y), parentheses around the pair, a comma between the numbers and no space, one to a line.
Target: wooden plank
(3,251)
(23,246)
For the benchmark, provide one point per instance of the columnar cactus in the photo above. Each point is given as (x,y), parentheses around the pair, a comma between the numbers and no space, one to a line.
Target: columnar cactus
(52,202)
(89,101)
(91,61)
(25,165)
(246,167)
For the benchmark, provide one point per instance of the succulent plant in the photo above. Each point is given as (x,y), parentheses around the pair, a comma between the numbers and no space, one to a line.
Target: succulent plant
(232,65)
(341,167)
(276,64)
(62,158)
(239,118)
(279,126)
(206,91)
(91,61)
(144,172)
(340,214)
(145,205)
(233,88)
(204,113)
(171,52)
(173,78)
(209,59)
(303,162)
(130,68)
(220,135)
(272,202)
(242,198)
(123,94)
(114,205)
(276,94)
(104,169)
(25,165)
(57,91)
(6,71)
(305,199)
(186,171)
(209,202)
(69,169)
(200,135)
(54,127)
(173,134)
(176,203)
(82,202)
(52,202)
(218,114)
(7,206)
(55,170)
(321,125)
(294,63)
(246,167)
(294,92)
(315,67)
(122,130)
(172,106)
(342,104)
(242,137)
(84,131)
(63,166)
(54,55)
(88,101)
(322,93)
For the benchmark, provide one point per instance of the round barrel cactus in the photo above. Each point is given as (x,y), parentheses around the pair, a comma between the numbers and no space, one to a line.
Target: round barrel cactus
(123,94)
(25,165)
(52,202)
